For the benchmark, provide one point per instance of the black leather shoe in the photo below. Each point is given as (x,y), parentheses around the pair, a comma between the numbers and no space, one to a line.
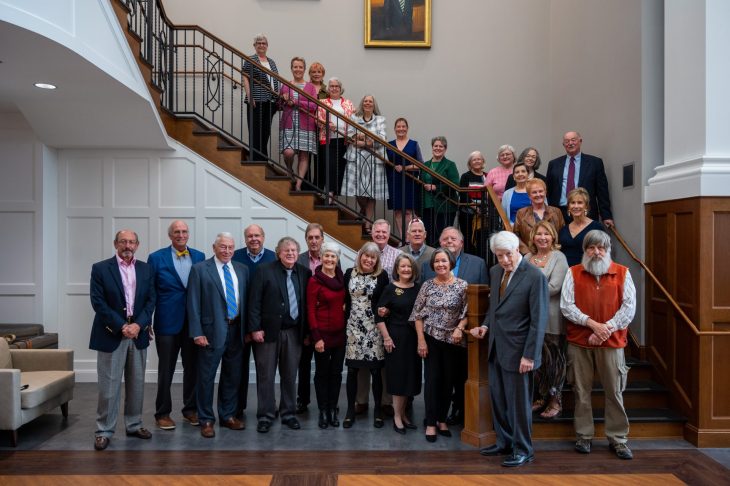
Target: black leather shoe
(495,450)
(323,422)
(517,460)
(263,426)
(431,438)
(292,423)
(332,418)
(399,430)
(301,407)
(456,417)
(378,422)
(409,425)
(443,433)
(583,446)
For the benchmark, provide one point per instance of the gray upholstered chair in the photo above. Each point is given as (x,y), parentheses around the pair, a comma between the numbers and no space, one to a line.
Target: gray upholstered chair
(49,376)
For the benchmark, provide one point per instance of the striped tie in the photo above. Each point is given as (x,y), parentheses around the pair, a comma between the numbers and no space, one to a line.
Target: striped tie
(402,6)
(230,293)
(293,305)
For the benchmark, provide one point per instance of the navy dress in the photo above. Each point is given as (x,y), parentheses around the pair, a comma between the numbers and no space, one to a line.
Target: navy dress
(401,188)
(573,247)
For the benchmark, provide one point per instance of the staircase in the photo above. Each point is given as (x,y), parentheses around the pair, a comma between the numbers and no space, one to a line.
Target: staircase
(647,405)
(647,402)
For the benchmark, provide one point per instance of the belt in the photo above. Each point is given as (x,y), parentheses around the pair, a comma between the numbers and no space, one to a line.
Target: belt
(234,321)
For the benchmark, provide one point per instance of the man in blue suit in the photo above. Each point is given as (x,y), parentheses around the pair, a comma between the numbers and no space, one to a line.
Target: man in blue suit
(171,268)
(516,320)
(123,297)
(473,269)
(576,169)
(216,306)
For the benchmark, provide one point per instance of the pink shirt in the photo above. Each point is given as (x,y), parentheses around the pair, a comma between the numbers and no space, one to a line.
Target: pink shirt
(497,178)
(129,282)
(314,262)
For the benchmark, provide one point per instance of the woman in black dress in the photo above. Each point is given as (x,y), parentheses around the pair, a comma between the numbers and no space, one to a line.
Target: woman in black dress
(402,363)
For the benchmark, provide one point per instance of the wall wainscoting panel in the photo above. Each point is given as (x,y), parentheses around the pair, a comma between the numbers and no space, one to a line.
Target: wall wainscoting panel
(103,191)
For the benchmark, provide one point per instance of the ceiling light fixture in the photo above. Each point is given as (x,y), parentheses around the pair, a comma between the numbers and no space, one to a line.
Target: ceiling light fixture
(44,86)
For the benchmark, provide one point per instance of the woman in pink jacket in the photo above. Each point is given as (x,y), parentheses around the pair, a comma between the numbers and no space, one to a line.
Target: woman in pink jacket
(298,123)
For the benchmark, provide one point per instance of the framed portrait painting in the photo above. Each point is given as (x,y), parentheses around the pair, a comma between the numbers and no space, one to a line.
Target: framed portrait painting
(397,23)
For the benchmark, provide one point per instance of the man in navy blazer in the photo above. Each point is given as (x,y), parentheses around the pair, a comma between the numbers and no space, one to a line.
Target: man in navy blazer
(123,297)
(171,268)
(216,307)
(252,255)
(516,320)
(589,174)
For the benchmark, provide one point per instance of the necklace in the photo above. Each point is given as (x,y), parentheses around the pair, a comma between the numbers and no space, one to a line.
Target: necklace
(540,261)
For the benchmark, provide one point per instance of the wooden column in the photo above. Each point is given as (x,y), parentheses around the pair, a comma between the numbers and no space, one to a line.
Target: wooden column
(478,428)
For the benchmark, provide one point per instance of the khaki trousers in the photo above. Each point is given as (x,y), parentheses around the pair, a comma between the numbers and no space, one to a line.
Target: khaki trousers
(612,371)
(363,388)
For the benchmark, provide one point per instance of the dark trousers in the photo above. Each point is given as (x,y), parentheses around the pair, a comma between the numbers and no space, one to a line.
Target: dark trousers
(377,384)
(328,376)
(243,386)
(331,166)
(305,374)
(461,372)
(440,365)
(229,354)
(259,128)
(511,394)
(283,353)
(168,348)
(435,222)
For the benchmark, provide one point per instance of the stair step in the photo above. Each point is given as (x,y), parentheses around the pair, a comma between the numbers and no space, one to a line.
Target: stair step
(644,424)
(634,414)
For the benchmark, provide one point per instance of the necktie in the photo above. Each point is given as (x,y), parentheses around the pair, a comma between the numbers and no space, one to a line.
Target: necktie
(402,5)
(182,253)
(293,306)
(230,293)
(570,184)
(505,280)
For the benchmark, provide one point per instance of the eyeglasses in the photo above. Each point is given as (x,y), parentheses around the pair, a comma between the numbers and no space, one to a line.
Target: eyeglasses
(127,242)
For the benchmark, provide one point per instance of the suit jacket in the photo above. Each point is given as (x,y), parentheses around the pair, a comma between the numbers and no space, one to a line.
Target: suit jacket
(592,178)
(170,309)
(268,304)
(517,322)
(206,305)
(472,268)
(107,298)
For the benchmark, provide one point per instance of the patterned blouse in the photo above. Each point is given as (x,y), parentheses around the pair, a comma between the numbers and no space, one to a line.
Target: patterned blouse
(441,307)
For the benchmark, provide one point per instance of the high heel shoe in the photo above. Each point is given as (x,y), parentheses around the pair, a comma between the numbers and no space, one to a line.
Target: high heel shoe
(409,425)
(399,430)
(349,420)
(378,422)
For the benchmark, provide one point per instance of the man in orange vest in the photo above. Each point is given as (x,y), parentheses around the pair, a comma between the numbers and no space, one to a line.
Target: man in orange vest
(599,301)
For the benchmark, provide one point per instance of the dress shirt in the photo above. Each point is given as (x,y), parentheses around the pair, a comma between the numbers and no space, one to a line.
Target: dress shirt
(234,277)
(416,253)
(314,262)
(183,264)
(255,258)
(564,184)
(129,282)
(387,259)
(620,320)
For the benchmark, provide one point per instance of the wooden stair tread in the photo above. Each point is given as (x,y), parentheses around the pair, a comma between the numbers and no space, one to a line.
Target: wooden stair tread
(634,415)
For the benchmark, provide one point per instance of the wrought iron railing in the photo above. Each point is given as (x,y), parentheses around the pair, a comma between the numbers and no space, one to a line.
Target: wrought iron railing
(201,76)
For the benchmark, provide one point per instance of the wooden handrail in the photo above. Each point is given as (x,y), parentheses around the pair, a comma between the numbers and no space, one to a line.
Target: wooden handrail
(695,330)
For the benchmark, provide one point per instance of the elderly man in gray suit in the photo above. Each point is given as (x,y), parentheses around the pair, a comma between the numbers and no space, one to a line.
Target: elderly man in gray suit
(516,320)
(216,315)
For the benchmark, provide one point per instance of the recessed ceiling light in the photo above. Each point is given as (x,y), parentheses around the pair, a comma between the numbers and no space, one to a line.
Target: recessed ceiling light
(44,86)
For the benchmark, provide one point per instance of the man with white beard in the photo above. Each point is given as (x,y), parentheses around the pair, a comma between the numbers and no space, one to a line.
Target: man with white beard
(599,301)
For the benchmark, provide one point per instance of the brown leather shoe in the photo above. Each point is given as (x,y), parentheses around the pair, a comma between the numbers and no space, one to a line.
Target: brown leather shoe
(101,443)
(165,423)
(234,424)
(191,418)
(207,430)
(140,433)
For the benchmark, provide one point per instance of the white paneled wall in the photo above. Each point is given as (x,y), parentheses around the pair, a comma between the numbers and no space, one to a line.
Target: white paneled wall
(103,191)
(21,219)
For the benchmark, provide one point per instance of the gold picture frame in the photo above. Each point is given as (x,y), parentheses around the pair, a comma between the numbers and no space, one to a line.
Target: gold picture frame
(398,23)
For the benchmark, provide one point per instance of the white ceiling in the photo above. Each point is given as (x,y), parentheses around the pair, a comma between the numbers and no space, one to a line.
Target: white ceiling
(89,108)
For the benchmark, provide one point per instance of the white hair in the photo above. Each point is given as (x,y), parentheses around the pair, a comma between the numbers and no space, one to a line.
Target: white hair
(332,247)
(504,240)
(221,235)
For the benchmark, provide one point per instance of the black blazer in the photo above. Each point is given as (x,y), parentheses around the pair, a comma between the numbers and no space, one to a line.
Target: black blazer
(268,300)
(107,299)
(517,322)
(592,178)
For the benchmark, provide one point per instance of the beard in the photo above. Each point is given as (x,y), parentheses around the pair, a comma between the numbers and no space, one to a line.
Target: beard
(597,265)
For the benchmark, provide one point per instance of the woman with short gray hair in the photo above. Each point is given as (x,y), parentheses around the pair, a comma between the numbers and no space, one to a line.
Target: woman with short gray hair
(497,177)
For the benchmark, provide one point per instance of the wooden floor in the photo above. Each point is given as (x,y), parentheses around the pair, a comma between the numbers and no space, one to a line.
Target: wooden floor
(353,468)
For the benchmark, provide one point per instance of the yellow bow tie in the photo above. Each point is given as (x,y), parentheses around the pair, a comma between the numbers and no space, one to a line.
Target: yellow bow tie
(182,253)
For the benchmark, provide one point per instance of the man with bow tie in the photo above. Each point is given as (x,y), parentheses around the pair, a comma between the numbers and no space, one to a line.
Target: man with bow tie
(171,268)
